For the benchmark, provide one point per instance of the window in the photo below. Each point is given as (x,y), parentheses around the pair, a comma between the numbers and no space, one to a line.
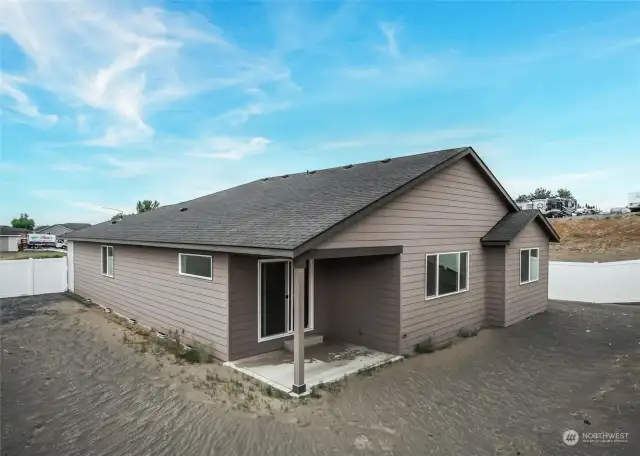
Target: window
(196,266)
(446,273)
(107,260)
(529,265)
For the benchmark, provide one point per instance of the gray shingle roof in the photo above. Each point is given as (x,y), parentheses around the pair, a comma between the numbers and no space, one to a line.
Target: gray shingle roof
(9,230)
(511,224)
(76,226)
(281,212)
(71,226)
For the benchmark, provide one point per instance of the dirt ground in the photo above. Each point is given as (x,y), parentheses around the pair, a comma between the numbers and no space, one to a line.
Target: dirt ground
(72,384)
(608,238)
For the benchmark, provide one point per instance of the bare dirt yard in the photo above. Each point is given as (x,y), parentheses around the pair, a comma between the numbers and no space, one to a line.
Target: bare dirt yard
(608,238)
(75,383)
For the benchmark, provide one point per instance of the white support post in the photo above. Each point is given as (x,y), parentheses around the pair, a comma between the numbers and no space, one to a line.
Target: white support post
(299,386)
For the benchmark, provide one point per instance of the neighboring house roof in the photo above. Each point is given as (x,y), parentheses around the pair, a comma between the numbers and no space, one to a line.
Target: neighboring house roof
(291,213)
(11,231)
(69,226)
(76,226)
(513,223)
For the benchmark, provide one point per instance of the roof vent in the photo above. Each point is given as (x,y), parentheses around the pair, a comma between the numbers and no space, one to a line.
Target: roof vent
(184,209)
(347,167)
(265,179)
(113,222)
(285,176)
(311,172)
(386,160)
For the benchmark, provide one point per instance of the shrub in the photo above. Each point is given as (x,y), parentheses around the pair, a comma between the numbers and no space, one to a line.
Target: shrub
(468,332)
(426,346)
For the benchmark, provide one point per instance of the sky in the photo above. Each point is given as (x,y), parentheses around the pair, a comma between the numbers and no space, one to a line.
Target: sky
(104,103)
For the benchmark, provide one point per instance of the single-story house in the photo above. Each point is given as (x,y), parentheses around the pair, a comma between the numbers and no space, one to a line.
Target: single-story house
(384,254)
(62,228)
(10,238)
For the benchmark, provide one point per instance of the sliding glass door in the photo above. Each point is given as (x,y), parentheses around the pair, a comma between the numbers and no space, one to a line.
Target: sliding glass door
(275,296)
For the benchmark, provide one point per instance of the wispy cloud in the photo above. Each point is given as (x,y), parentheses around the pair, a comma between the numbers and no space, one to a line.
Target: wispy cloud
(120,168)
(71,167)
(118,64)
(260,104)
(7,167)
(229,148)
(391,46)
(91,212)
(21,104)
(403,140)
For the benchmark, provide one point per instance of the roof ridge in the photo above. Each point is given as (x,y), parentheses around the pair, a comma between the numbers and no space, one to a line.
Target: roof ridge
(352,165)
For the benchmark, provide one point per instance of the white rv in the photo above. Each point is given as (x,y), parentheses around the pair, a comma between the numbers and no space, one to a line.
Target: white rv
(552,207)
(634,202)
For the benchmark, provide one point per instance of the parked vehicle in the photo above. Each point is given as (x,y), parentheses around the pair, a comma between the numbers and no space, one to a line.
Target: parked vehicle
(60,244)
(552,207)
(619,210)
(634,202)
(587,211)
(41,241)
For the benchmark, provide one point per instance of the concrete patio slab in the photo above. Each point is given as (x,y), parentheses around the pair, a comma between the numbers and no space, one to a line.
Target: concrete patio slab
(324,363)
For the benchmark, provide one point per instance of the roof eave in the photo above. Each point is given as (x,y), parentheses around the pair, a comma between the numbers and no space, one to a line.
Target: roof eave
(257,251)
(494,243)
(553,234)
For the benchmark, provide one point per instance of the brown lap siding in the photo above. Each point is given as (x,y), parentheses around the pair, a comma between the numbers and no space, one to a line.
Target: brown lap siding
(146,286)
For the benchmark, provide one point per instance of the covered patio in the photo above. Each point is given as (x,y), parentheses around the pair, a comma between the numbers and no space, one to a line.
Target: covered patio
(323,363)
(314,318)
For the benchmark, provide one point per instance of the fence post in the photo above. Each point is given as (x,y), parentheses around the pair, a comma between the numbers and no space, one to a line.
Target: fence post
(32,276)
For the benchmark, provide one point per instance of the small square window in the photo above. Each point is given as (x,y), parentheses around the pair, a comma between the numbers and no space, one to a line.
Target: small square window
(196,266)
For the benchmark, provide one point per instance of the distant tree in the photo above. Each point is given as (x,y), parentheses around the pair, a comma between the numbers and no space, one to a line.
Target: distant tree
(541,193)
(523,198)
(564,193)
(23,222)
(146,206)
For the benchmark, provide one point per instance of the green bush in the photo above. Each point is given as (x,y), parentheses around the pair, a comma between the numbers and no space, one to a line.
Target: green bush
(468,332)
(426,346)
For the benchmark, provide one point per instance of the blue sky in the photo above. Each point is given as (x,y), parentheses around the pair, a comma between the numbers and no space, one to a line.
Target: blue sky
(105,103)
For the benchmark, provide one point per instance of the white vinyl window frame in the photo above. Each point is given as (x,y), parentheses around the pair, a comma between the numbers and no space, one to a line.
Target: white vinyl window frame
(107,249)
(426,274)
(530,249)
(289,301)
(209,277)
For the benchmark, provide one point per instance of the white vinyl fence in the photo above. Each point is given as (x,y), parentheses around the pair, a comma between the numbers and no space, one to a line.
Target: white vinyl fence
(616,282)
(32,276)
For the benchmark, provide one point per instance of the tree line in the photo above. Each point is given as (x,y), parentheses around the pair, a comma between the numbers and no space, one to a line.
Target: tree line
(543,193)
(141,206)
(28,223)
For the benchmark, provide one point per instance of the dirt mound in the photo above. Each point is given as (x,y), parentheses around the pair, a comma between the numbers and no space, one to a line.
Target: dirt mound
(610,238)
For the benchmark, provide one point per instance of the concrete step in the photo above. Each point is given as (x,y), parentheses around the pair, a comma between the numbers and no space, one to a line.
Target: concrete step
(309,341)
